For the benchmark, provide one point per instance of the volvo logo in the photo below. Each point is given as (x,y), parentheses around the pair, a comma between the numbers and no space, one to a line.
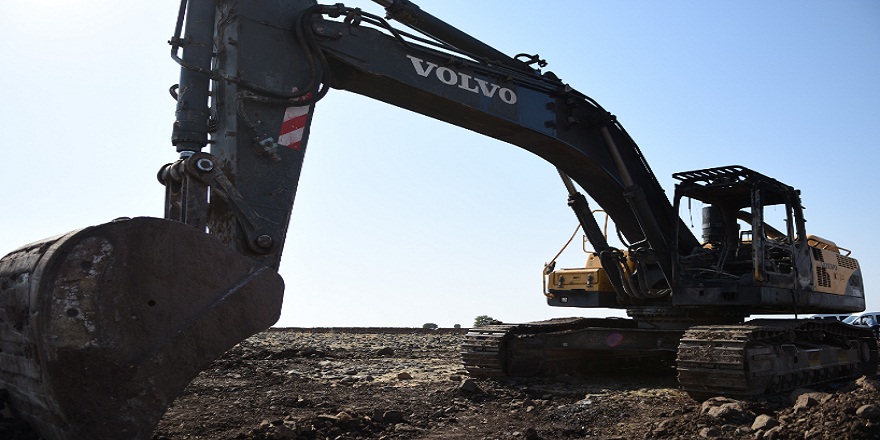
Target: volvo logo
(463,81)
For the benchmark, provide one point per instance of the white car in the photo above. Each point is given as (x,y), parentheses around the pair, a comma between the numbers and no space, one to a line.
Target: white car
(865,319)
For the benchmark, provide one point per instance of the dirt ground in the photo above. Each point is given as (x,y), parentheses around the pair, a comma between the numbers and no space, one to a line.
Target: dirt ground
(408,384)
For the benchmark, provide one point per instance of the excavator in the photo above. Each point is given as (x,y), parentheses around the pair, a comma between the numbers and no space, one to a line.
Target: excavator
(102,327)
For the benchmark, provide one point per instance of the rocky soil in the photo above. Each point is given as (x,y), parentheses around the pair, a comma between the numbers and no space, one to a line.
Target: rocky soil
(407,384)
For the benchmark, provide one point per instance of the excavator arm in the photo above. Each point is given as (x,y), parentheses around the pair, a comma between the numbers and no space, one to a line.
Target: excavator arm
(276,59)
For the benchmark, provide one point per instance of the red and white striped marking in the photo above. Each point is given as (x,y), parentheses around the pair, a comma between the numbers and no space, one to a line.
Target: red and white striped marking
(294,125)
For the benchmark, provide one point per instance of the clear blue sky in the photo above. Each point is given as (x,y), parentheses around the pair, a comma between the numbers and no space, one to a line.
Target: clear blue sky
(789,88)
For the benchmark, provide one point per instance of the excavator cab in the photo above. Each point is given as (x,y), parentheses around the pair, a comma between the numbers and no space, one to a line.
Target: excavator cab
(762,269)
(761,253)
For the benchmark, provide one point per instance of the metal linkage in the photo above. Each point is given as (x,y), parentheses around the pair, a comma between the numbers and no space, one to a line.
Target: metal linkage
(188,181)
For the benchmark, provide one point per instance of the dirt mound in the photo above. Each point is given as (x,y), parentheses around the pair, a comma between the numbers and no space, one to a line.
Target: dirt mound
(408,383)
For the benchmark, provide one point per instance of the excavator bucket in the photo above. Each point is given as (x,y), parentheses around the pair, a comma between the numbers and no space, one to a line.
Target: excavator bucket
(101,328)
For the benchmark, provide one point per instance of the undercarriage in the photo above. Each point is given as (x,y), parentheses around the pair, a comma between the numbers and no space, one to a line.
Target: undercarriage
(741,360)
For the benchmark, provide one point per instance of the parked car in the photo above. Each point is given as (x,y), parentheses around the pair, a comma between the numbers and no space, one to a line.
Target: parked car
(865,319)
(834,317)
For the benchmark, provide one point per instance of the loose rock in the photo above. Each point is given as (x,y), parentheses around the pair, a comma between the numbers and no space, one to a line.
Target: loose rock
(343,417)
(808,400)
(868,384)
(724,408)
(385,351)
(764,422)
(393,416)
(710,432)
(868,411)
(469,386)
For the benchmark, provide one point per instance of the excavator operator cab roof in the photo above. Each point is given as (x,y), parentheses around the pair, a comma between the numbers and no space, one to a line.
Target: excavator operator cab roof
(734,185)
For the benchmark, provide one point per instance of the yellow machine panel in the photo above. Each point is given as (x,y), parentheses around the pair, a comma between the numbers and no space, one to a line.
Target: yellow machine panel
(834,272)
(591,278)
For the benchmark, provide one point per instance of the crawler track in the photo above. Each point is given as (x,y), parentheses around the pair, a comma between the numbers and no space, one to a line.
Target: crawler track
(482,351)
(771,356)
(567,345)
(758,357)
